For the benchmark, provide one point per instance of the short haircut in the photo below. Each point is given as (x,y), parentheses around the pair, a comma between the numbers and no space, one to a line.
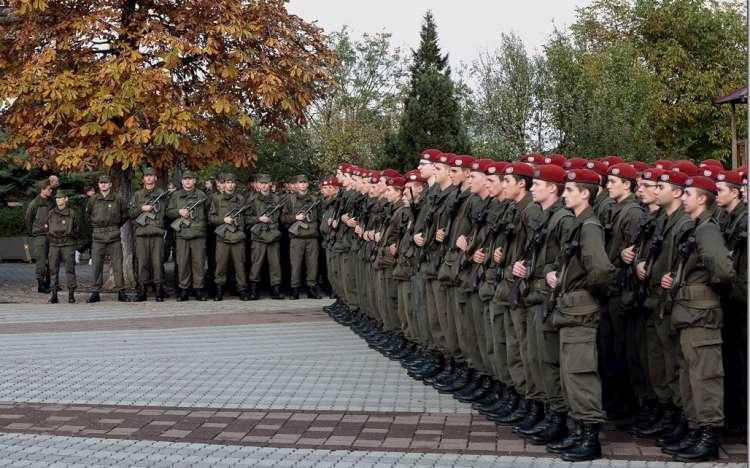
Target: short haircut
(44,184)
(524,178)
(593,190)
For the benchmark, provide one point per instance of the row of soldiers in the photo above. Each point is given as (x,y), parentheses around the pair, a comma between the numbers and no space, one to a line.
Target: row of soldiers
(552,290)
(210,226)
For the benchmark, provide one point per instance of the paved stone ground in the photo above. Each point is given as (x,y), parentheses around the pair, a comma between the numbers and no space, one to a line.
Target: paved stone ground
(266,383)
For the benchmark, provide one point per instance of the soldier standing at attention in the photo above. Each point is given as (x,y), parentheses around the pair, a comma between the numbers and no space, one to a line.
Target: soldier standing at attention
(63,229)
(300,213)
(265,234)
(147,210)
(703,273)
(106,213)
(188,205)
(227,212)
(583,278)
(36,228)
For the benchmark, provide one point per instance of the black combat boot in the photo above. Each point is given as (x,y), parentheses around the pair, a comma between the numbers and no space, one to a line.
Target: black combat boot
(510,402)
(588,448)
(201,295)
(254,296)
(183,295)
(276,293)
(140,294)
(533,417)
(676,432)
(122,296)
(159,293)
(654,428)
(219,293)
(705,448)
(244,295)
(516,416)
(295,294)
(53,297)
(312,292)
(94,297)
(685,442)
(41,287)
(568,442)
(555,430)
(71,296)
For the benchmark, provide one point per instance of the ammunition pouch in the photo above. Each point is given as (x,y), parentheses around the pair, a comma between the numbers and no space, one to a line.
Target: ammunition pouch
(579,302)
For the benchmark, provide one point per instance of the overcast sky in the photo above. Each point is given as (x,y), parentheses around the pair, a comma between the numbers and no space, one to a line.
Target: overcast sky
(464,26)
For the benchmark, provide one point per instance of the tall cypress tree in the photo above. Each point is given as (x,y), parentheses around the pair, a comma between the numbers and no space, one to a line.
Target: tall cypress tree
(432,117)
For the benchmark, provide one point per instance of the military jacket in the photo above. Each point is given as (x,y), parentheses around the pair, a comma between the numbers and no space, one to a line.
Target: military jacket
(299,203)
(603,207)
(620,233)
(405,251)
(153,227)
(459,217)
(222,205)
(485,218)
(528,219)
(36,216)
(394,229)
(106,215)
(197,223)
(261,204)
(735,235)
(63,227)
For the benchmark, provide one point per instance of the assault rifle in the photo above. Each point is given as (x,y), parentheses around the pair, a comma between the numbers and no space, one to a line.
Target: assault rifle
(294,228)
(479,219)
(533,244)
(509,229)
(687,246)
(568,251)
(626,277)
(181,222)
(221,230)
(146,216)
(258,227)
(427,221)
(488,245)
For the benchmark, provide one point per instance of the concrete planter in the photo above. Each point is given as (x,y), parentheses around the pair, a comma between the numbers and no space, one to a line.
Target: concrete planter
(14,249)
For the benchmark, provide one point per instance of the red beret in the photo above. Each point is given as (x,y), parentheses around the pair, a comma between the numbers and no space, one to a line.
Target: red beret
(335,182)
(742,169)
(550,173)
(520,169)
(532,158)
(481,165)
(349,169)
(356,171)
(414,176)
(652,174)
(463,161)
(598,167)
(430,154)
(712,163)
(575,163)
(395,182)
(701,182)
(582,176)
(709,171)
(343,166)
(730,177)
(639,166)
(554,158)
(685,166)
(664,164)
(445,158)
(623,171)
(389,173)
(611,160)
(674,178)
(496,168)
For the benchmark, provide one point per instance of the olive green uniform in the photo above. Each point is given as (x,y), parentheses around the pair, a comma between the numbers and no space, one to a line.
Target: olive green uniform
(36,229)
(191,238)
(265,238)
(303,246)
(584,276)
(230,240)
(149,235)
(705,269)
(63,232)
(403,273)
(106,214)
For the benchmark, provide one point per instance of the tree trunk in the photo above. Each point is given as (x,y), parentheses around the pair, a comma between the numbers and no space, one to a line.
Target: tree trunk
(122,182)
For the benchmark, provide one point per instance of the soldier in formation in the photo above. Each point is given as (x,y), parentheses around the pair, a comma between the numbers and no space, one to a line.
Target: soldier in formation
(553,294)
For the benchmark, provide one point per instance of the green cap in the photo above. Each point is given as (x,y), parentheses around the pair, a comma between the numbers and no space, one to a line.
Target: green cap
(188,175)
(105,178)
(228,176)
(299,178)
(61,193)
(149,171)
(263,178)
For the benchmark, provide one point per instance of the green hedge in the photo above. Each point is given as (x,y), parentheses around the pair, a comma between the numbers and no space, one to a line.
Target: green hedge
(11,222)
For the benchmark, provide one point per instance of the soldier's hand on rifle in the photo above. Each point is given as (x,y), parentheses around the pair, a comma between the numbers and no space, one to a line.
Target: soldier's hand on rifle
(351,222)
(392,249)
(497,255)
(300,216)
(462,243)
(440,235)
(377,236)
(264,219)
(628,255)
(519,269)
(419,239)
(146,208)
(640,271)
(479,256)
(667,281)
(358,231)
(345,217)
(228,220)
(551,278)
(334,223)
(184,212)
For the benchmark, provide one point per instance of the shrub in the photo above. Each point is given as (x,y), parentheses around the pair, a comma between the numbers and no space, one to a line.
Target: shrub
(12,222)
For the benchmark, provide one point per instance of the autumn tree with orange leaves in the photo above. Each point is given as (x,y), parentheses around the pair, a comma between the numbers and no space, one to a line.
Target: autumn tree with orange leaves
(112,84)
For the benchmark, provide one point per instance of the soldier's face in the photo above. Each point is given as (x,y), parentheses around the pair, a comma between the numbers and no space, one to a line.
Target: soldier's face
(54,181)
(691,200)
(393,194)
(229,186)
(104,186)
(426,169)
(511,187)
(61,202)
(726,194)
(647,191)
(541,190)
(616,187)
(664,193)
(188,183)
(264,186)
(573,196)
(495,186)
(477,182)
(457,175)
(413,188)
(47,191)
(149,180)
(302,186)
(442,173)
